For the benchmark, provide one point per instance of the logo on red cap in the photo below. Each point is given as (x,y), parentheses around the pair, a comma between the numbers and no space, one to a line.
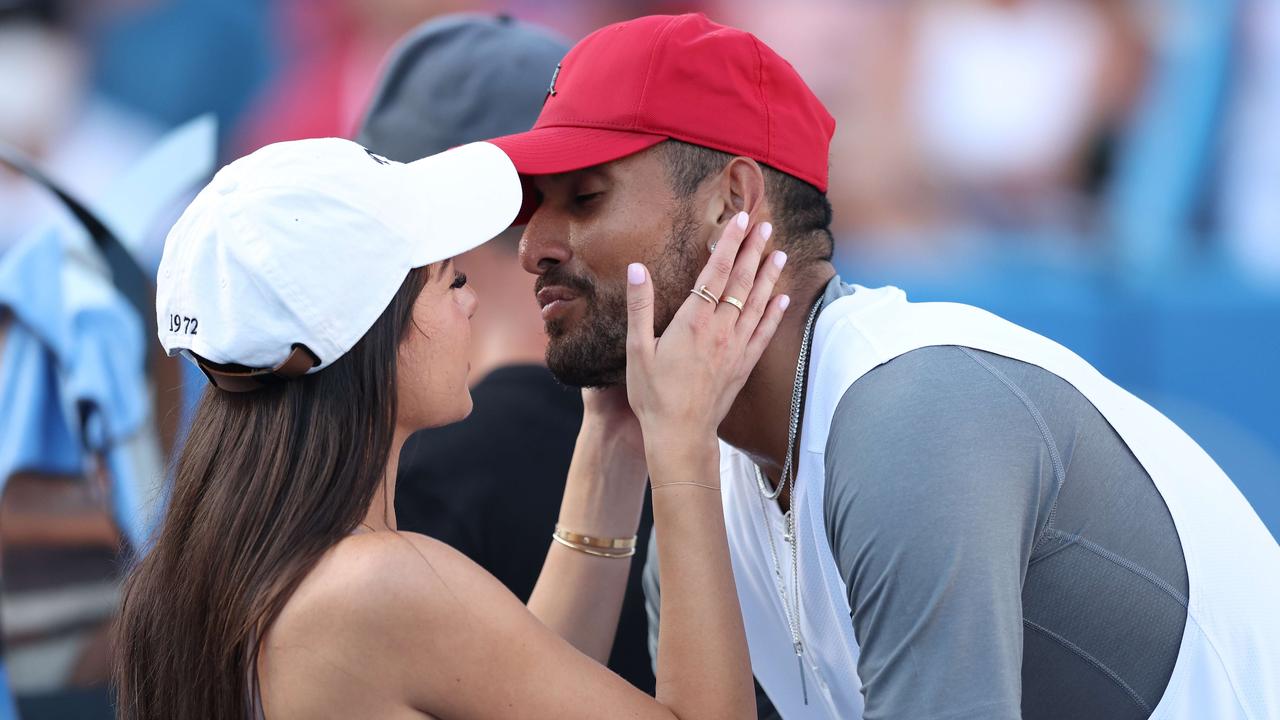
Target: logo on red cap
(551,91)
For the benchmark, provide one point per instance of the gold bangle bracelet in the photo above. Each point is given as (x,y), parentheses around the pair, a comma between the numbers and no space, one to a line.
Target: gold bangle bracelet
(593,552)
(595,542)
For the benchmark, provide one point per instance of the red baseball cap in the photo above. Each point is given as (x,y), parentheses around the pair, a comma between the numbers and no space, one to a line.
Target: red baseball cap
(629,86)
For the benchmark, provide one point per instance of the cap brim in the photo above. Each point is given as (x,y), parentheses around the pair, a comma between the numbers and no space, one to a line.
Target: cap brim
(560,149)
(472,193)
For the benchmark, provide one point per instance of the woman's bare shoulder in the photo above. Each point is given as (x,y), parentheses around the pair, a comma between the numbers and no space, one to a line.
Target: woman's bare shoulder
(389,621)
(385,577)
(375,613)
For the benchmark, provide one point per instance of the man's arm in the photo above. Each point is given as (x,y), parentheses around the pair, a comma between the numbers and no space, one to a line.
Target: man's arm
(936,474)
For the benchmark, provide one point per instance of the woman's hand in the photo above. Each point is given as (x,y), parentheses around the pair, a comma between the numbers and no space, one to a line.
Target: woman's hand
(683,384)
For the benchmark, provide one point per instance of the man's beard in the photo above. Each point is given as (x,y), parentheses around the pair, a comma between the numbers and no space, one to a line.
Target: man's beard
(592,352)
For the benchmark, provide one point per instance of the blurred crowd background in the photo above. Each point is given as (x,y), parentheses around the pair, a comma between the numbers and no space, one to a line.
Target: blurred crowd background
(1105,172)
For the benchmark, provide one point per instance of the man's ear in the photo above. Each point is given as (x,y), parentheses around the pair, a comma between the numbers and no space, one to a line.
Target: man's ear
(739,187)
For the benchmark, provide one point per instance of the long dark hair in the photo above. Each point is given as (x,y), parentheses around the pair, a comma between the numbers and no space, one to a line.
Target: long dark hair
(266,483)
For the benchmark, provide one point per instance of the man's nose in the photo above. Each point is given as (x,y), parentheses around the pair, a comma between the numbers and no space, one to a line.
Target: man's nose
(544,244)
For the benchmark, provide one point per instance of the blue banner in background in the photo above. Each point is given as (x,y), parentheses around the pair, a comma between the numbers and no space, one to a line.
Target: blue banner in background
(8,711)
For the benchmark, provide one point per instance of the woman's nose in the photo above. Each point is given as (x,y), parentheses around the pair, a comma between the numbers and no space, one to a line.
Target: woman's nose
(472,302)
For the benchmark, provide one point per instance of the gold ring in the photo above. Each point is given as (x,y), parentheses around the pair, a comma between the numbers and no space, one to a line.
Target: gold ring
(733,301)
(702,292)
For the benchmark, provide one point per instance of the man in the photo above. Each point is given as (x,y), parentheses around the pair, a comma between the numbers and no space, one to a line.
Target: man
(491,485)
(932,513)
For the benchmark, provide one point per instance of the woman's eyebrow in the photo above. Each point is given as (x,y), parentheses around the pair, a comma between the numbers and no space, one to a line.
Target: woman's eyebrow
(440,270)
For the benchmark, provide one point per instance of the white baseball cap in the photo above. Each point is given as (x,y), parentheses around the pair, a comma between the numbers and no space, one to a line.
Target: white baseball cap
(285,260)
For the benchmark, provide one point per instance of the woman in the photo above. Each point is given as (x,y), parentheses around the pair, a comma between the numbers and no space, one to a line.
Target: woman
(278,584)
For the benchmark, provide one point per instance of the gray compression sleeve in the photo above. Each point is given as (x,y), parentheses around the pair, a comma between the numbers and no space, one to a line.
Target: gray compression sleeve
(935,479)
(996,538)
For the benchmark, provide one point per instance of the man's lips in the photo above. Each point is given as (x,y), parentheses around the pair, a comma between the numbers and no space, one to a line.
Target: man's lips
(553,293)
(555,300)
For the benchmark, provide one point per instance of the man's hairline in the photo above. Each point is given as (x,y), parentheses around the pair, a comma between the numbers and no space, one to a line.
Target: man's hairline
(601,168)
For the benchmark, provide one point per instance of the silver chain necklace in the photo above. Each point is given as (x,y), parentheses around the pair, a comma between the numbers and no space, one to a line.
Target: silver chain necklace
(797,395)
(791,600)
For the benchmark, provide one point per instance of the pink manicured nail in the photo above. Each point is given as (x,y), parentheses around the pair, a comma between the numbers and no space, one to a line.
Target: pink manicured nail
(742,220)
(779,259)
(635,274)
(766,229)
(784,301)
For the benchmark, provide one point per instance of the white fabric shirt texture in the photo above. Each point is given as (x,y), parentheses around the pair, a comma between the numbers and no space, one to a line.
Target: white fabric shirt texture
(1228,664)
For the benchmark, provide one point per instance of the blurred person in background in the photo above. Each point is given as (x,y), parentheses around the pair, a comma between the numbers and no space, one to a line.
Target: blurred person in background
(174,60)
(1012,103)
(332,50)
(1249,196)
(963,119)
(932,512)
(50,113)
(576,18)
(855,54)
(491,485)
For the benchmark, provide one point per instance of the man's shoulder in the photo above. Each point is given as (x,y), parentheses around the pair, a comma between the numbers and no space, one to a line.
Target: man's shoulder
(932,364)
(947,426)
(952,380)
(923,385)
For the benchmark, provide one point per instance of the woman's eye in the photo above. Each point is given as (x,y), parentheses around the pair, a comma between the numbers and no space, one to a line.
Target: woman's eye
(459,280)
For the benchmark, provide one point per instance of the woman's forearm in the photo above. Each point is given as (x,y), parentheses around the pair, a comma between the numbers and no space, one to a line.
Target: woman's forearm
(578,595)
(701,642)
